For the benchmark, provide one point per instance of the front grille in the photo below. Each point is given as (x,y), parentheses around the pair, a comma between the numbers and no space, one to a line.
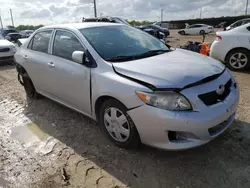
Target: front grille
(218,128)
(212,97)
(8,58)
(4,49)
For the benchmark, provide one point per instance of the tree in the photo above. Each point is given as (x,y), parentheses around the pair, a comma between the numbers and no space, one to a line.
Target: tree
(28,27)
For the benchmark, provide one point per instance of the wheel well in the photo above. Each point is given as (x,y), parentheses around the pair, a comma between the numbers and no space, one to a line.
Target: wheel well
(20,69)
(99,103)
(240,48)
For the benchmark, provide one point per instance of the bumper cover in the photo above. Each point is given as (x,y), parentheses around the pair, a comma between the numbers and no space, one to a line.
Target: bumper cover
(153,124)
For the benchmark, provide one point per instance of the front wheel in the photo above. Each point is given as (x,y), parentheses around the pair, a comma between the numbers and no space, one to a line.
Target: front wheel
(238,60)
(117,124)
(182,32)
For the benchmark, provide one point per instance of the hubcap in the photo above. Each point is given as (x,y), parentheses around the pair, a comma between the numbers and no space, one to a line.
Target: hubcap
(238,60)
(116,124)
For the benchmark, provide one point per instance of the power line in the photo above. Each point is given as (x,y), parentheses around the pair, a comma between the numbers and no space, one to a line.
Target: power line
(162,15)
(95,8)
(12,18)
(201,13)
(1,22)
(246,7)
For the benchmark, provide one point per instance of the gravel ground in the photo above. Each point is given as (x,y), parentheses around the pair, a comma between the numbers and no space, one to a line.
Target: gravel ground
(44,144)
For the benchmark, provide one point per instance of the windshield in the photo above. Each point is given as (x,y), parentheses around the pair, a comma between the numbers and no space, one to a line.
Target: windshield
(121,41)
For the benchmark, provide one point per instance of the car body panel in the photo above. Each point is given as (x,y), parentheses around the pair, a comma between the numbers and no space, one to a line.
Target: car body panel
(162,70)
(196,30)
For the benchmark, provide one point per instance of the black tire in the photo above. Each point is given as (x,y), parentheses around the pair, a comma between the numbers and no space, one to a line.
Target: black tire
(245,52)
(133,140)
(29,87)
(202,32)
(182,33)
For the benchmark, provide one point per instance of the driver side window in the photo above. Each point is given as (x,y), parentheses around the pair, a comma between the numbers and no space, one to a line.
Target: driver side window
(65,43)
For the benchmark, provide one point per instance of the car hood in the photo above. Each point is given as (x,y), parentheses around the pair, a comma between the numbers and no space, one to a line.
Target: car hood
(5,43)
(174,69)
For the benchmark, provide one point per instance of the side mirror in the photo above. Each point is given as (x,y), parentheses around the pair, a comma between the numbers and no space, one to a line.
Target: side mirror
(78,57)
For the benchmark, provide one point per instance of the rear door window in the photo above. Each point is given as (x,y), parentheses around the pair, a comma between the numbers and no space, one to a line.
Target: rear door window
(41,41)
(65,43)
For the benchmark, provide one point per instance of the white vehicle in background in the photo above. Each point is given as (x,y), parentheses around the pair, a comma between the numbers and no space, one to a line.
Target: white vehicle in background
(7,50)
(233,47)
(196,29)
(238,23)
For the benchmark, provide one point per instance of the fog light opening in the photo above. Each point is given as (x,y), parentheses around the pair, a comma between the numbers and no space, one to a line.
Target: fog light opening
(181,136)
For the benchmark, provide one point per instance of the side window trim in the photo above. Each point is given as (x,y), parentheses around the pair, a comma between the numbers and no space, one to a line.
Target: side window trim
(65,30)
(54,37)
(32,40)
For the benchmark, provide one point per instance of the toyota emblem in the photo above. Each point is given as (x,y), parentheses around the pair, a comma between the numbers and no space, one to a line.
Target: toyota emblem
(220,90)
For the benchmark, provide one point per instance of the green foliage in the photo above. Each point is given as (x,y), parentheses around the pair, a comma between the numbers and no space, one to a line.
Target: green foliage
(134,22)
(28,27)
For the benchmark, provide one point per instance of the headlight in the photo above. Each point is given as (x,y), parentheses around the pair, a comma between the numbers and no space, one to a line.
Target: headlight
(165,100)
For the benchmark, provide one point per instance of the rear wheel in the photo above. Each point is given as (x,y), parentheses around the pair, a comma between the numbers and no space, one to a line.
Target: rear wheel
(202,32)
(117,124)
(238,60)
(29,87)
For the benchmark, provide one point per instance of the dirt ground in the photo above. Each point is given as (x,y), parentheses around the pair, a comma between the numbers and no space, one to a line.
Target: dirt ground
(46,145)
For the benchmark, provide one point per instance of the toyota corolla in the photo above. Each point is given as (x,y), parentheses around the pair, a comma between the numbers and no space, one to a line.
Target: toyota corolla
(138,89)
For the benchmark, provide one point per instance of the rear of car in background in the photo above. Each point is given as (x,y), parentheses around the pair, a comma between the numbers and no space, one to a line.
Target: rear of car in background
(233,47)
(157,28)
(26,33)
(196,29)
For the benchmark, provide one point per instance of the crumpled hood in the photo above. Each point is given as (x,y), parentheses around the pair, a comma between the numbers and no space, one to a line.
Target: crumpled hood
(175,69)
(5,43)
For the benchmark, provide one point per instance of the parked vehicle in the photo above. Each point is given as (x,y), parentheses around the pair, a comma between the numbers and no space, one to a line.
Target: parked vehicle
(13,37)
(153,32)
(238,23)
(196,29)
(233,47)
(6,31)
(156,28)
(7,50)
(137,88)
(26,33)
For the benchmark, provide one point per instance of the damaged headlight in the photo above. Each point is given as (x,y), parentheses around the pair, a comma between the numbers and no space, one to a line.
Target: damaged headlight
(165,100)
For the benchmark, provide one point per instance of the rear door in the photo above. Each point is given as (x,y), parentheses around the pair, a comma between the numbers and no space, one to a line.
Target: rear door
(36,60)
(69,81)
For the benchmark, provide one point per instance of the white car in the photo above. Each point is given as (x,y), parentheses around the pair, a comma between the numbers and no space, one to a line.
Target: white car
(7,50)
(233,47)
(196,29)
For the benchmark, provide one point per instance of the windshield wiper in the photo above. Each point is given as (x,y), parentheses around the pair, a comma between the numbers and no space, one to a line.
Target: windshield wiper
(120,58)
(153,52)
(128,58)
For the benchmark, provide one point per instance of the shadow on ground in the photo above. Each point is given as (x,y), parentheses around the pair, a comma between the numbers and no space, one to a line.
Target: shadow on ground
(221,163)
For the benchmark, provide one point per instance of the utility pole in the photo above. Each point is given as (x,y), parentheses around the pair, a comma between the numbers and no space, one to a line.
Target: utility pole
(162,15)
(1,22)
(95,8)
(246,7)
(12,18)
(201,13)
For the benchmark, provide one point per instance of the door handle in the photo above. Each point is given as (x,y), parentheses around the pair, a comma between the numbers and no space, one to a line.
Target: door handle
(51,64)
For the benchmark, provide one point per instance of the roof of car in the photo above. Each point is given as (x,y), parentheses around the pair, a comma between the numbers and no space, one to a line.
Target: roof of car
(81,25)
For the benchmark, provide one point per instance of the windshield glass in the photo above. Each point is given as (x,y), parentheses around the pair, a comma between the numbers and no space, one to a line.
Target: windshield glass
(121,40)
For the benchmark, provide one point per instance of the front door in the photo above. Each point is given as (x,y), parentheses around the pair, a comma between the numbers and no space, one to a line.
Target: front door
(70,81)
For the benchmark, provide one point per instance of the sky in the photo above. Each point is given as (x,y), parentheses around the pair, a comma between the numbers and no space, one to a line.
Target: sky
(46,12)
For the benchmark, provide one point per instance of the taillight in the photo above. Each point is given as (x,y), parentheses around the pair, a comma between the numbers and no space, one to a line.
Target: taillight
(218,38)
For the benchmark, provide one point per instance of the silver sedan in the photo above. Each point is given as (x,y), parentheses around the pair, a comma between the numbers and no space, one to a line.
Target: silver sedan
(138,89)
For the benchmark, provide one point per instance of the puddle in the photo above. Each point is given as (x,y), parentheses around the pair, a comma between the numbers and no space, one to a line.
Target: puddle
(28,134)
